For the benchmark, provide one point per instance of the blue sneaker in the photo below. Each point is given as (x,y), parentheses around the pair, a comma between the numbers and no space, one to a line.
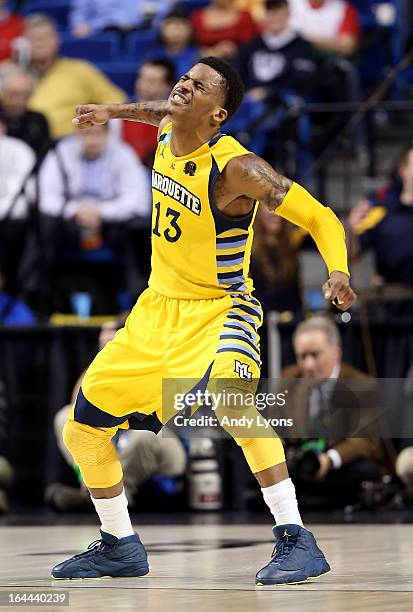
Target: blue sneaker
(110,556)
(295,558)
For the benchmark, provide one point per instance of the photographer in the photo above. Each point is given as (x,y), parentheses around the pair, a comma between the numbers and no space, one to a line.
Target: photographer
(330,463)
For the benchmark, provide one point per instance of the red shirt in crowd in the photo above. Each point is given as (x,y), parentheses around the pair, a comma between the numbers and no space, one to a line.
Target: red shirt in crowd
(350,24)
(142,137)
(10,28)
(242,31)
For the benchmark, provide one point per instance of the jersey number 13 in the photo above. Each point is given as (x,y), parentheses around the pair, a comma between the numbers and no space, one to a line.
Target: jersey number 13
(173,232)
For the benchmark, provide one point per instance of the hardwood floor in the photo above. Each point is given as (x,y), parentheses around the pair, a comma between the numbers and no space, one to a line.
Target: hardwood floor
(212,568)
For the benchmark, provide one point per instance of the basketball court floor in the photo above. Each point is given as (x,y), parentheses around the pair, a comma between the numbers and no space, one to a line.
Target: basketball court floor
(211,567)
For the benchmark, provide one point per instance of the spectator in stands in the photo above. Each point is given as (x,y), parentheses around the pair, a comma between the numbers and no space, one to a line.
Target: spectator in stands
(277,60)
(332,26)
(17,162)
(274,263)
(11,27)
(176,39)
(343,461)
(29,126)
(93,16)
(221,28)
(89,186)
(63,82)
(278,69)
(142,453)
(384,223)
(12,310)
(154,81)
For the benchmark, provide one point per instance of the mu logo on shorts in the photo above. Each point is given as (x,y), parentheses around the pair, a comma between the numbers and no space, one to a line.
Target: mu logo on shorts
(242,369)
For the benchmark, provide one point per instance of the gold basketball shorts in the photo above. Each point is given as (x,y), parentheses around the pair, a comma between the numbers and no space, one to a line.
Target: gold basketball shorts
(168,338)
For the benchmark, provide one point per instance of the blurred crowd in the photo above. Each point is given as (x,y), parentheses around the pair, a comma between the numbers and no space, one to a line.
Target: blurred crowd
(75,206)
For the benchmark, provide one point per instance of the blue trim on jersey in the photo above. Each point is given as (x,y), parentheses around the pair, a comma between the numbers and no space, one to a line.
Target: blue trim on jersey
(237,275)
(237,287)
(238,326)
(240,336)
(247,298)
(252,310)
(233,345)
(223,222)
(231,257)
(234,279)
(215,139)
(230,239)
(248,310)
(228,264)
(236,348)
(231,245)
(245,319)
(223,282)
(241,225)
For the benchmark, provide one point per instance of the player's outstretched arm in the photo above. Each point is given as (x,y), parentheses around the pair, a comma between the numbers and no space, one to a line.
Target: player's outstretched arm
(253,177)
(88,115)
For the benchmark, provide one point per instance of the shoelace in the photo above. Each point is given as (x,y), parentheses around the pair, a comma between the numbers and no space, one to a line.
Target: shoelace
(284,548)
(94,547)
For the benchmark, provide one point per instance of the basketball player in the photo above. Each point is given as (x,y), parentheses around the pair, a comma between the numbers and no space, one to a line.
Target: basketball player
(197,319)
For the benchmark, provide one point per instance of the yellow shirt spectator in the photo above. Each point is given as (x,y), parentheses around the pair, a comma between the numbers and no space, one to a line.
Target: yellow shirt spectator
(66,84)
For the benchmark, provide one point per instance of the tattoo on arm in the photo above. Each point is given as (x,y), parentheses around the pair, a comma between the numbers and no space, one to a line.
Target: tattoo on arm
(270,187)
(146,112)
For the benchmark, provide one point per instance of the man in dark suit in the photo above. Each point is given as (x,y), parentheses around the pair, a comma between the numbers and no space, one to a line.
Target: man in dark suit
(334,407)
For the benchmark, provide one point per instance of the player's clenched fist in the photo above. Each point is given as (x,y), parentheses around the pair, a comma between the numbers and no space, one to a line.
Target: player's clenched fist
(89,115)
(337,289)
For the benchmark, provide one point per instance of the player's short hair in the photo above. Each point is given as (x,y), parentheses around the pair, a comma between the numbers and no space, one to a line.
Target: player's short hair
(234,88)
(166,64)
(320,323)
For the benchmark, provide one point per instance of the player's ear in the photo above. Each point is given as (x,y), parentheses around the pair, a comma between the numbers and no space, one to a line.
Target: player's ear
(219,115)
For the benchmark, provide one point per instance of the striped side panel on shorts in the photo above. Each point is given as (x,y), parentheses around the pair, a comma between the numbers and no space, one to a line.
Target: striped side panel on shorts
(239,333)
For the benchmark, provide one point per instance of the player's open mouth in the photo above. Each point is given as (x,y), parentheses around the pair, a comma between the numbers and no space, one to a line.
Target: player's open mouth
(178,99)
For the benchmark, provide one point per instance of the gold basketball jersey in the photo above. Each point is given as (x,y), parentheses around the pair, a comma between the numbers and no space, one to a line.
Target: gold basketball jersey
(197,251)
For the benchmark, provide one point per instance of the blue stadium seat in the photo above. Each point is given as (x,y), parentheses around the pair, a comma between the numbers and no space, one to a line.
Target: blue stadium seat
(367,12)
(193,5)
(123,74)
(387,50)
(139,44)
(57,9)
(102,47)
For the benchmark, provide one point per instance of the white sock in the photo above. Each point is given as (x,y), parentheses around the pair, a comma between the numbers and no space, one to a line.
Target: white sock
(114,515)
(282,502)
